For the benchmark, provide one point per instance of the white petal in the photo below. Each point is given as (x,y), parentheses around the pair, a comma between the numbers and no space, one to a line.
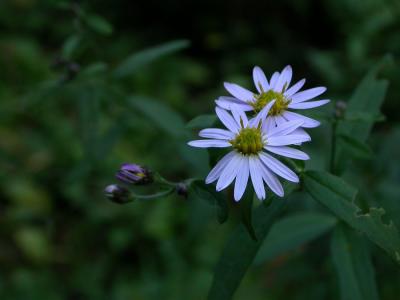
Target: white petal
(268,125)
(278,168)
(285,128)
(241,178)
(288,152)
(238,91)
(295,88)
(284,79)
(272,181)
(262,115)
(301,131)
(227,120)
(217,133)
(279,120)
(219,167)
(229,173)
(284,140)
(308,94)
(255,167)
(260,79)
(274,80)
(308,104)
(308,122)
(209,143)
(231,102)
(239,116)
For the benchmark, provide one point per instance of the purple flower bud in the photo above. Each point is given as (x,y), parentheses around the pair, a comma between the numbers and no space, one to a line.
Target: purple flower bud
(134,174)
(117,194)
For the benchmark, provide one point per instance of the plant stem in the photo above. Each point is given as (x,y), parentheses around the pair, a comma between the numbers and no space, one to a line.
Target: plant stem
(333,147)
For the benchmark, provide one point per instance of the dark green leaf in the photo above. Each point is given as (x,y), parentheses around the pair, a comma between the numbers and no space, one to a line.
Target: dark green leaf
(208,194)
(367,99)
(202,121)
(292,232)
(142,58)
(354,147)
(70,46)
(240,250)
(361,116)
(99,24)
(159,114)
(339,197)
(353,265)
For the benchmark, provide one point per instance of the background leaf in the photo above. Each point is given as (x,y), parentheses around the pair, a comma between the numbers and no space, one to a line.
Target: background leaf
(144,57)
(240,250)
(353,265)
(293,231)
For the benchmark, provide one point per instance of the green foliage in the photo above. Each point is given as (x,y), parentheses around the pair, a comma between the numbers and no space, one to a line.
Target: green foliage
(141,59)
(352,260)
(339,197)
(293,231)
(240,250)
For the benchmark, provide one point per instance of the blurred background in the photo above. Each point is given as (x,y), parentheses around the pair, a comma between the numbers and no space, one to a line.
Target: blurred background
(79,96)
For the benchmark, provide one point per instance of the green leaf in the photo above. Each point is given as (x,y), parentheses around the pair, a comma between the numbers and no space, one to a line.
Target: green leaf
(240,250)
(142,58)
(202,121)
(353,265)
(160,114)
(354,147)
(208,194)
(293,231)
(361,116)
(99,24)
(339,197)
(367,99)
(71,46)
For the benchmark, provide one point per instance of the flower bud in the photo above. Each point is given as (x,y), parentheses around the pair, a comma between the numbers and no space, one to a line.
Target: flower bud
(117,194)
(182,189)
(340,108)
(134,174)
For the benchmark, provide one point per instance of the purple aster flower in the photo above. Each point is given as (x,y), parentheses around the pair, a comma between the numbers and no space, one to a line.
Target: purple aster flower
(134,174)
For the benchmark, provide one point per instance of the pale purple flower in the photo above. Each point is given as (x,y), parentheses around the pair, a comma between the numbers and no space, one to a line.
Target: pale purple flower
(250,141)
(277,88)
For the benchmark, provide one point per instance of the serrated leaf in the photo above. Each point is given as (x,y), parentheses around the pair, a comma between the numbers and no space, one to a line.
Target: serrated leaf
(209,195)
(293,231)
(353,265)
(354,147)
(144,57)
(339,197)
(160,114)
(202,121)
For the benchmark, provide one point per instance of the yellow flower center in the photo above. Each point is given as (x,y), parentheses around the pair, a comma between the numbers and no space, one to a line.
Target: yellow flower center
(248,141)
(281,103)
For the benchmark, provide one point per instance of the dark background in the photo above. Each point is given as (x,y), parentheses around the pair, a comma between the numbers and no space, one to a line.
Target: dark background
(61,239)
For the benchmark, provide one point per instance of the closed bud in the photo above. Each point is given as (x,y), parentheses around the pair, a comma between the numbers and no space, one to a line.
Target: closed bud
(134,174)
(117,194)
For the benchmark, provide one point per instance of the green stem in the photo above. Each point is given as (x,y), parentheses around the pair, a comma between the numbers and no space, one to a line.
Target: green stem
(333,147)
(153,196)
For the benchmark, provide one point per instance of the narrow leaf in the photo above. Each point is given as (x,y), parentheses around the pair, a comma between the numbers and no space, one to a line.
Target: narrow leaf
(142,58)
(240,250)
(202,121)
(160,114)
(353,265)
(354,147)
(293,231)
(339,197)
